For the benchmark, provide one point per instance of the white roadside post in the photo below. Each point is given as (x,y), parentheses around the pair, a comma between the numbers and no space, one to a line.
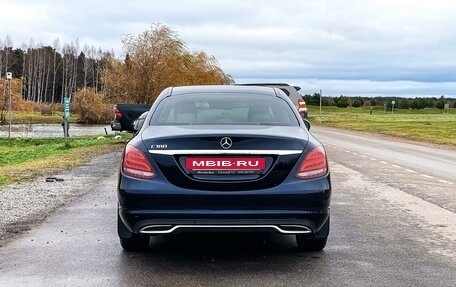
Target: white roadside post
(392,106)
(9,77)
(446,107)
(66,119)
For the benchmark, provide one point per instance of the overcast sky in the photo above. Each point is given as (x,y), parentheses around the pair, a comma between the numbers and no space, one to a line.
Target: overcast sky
(350,47)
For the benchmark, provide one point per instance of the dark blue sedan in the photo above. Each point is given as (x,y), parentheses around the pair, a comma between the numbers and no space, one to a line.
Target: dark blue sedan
(224,158)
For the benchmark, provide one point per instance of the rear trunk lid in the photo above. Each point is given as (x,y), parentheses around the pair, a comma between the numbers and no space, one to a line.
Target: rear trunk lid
(225,158)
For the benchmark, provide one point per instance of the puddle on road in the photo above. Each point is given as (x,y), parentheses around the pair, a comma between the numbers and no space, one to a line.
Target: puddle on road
(53,130)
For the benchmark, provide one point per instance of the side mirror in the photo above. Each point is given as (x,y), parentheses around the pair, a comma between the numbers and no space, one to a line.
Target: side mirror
(306,123)
(137,124)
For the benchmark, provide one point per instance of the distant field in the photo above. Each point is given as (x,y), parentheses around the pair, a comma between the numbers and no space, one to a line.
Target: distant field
(427,125)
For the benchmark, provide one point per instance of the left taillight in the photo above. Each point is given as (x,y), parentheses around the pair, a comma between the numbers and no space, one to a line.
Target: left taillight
(314,165)
(117,113)
(135,164)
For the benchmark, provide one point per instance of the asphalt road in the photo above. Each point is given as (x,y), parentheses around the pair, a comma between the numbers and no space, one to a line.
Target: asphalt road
(393,224)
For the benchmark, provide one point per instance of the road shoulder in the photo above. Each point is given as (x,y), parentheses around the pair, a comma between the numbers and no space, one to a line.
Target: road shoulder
(25,205)
(385,137)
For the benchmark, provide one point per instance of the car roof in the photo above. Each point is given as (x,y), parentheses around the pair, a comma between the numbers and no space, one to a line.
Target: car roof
(223,89)
(271,85)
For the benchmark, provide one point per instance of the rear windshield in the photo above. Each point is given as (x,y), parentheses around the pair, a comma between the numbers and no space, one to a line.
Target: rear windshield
(206,109)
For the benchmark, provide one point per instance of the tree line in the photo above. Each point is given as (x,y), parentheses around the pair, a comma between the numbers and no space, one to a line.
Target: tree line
(400,102)
(95,79)
(51,73)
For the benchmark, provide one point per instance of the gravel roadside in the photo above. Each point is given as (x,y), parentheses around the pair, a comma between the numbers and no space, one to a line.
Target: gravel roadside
(25,205)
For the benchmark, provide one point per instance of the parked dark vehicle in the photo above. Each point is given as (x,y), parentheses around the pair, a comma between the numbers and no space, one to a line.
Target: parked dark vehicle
(139,122)
(223,158)
(291,92)
(125,114)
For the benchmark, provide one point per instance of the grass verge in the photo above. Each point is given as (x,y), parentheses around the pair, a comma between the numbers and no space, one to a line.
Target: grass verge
(25,158)
(38,118)
(427,125)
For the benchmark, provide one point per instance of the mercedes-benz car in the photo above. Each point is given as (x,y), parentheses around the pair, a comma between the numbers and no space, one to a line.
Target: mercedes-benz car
(224,158)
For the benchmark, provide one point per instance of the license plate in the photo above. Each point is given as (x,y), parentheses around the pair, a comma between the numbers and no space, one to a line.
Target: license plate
(225,165)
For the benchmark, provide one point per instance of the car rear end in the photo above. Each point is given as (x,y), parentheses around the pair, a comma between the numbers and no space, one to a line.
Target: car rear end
(125,115)
(219,161)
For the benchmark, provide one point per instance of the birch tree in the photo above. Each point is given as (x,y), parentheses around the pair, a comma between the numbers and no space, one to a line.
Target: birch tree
(55,46)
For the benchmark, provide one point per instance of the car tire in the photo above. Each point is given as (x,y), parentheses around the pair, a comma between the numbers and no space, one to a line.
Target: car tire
(129,240)
(315,242)
(134,244)
(310,244)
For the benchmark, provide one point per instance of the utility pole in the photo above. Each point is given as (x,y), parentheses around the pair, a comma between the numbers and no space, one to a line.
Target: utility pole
(9,77)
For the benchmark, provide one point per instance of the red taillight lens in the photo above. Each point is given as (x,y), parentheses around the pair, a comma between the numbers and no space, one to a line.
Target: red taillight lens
(302,107)
(135,164)
(117,114)
(314,165)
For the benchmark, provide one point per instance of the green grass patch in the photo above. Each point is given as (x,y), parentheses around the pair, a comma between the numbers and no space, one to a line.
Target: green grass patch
(25,158)
(38,118)
(426,125)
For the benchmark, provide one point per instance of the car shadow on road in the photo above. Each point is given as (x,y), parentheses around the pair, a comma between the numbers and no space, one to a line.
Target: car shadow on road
(234,245)
(227,252)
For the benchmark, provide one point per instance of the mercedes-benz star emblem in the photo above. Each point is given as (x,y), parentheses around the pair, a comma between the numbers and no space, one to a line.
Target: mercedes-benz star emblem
(226,142)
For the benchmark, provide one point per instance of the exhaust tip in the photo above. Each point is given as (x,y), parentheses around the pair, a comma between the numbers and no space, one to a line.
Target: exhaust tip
(156,229)
(292,228)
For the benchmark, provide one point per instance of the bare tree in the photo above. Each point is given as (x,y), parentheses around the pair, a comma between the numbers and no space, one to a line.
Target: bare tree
(5,49)
(69,70)
(93,52)
(24,76)
(2,57)
(86,64)
(55,46)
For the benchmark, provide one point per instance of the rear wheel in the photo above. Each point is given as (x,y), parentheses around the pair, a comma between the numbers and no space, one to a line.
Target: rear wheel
(315,242)
(134,244)
(129,240)
(310,244)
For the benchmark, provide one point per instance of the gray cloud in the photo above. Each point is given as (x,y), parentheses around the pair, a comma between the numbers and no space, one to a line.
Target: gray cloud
(353,46)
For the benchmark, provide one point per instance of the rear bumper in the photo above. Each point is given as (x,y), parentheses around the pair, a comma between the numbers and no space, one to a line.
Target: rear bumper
(161,208)
(284,225)
(116,126)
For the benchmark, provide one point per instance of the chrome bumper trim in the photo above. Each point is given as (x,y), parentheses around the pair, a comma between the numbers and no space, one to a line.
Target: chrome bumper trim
(166,229)
(223,152)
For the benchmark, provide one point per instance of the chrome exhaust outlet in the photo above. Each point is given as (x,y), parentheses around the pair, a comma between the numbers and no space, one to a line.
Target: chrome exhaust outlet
(156,229)
(295,229)
(167,229)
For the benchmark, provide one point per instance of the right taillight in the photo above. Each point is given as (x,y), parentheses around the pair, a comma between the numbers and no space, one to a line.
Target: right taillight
(135,164)
(302,107)
(314,165)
